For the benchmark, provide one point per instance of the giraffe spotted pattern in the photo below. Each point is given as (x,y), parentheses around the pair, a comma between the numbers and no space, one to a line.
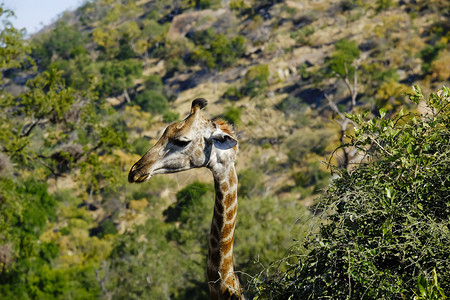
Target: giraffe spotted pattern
(198,142)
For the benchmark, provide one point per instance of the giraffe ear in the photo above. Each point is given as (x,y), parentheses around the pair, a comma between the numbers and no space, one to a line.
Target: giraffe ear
(223,141)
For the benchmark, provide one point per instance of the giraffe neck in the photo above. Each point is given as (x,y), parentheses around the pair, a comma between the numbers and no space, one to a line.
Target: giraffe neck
(223,282)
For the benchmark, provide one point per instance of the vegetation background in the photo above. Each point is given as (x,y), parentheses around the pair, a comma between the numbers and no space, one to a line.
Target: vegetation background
(343,176)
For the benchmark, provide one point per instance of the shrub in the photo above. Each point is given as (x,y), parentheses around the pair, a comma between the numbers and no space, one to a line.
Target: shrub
(105,227)
(307,141)
(250,183)
(63,42)
(233,93)
(256,80)
(381,5)
(429,53)
(154,82)
(386,221)
(141,145)
(118,75)
(171,116)
(185,198)
(152,101)
(233,115)
(216,50)
(302,35)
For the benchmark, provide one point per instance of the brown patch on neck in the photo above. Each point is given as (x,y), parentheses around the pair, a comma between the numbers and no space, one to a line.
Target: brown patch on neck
(228,230)
(224,187)
(225,248)
(232,213)
(232,178)
(229,199)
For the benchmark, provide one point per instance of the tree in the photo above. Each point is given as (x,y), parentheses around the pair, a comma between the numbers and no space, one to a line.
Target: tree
(256,80)
(46,130)
(118,76)
(64,42)
(385,223)
(343,64)
(152,101)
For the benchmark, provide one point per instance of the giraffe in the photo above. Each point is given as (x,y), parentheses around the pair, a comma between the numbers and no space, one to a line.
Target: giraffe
(198,142)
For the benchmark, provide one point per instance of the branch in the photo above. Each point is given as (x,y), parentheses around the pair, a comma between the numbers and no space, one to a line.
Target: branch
(27,133)
(333,106)
(352,89)
(125,93)
(378,144)
(101,282)
(54,173)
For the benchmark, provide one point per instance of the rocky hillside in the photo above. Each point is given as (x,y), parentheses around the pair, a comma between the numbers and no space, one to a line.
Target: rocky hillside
(261,64)
(84,98)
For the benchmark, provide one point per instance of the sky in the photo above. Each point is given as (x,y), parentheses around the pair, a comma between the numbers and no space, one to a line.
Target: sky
(33,15)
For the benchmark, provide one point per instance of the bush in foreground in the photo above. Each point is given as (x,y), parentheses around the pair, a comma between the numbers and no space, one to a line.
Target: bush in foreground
(386,223)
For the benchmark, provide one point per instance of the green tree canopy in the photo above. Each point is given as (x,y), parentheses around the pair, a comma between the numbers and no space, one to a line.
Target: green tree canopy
(343,56)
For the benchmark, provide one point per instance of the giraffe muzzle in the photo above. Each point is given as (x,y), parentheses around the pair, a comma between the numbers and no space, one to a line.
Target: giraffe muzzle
(137,175)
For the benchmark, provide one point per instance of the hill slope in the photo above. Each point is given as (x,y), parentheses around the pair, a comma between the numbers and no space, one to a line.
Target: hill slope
(109,77)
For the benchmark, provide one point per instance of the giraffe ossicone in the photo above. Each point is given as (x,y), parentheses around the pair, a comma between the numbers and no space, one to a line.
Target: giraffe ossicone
(199,142)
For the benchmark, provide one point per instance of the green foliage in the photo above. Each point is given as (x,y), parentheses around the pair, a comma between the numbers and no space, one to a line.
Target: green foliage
(311,176)
(140,268)
(216,51)
(233,115)
(171,116)
(302,35)
(256,80)
(385,221)
(427,290)
(185,198)
(250,183)
(14,51)
(154,82)
(307,141)
(48,97)
(25,210)
(105,227)
(233,93)
(240,6)
(342,58)
(381,5)
(63,42)
(118,75)
(265,229)
(141,145)
(292,106)
(429,54)
(26,269)
(152,101)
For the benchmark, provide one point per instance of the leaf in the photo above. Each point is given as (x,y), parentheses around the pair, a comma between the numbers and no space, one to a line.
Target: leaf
(422,291)
(434,277)
(383,112)
(422,282)
(389,192)
(409,148)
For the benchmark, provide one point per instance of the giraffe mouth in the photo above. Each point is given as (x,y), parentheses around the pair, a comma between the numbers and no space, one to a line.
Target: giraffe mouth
(142,178)
(138,175)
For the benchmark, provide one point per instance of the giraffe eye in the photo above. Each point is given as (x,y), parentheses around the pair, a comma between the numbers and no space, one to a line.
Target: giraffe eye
(180,143)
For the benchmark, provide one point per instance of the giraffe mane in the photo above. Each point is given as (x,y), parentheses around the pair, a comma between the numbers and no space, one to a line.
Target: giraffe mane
(223,125)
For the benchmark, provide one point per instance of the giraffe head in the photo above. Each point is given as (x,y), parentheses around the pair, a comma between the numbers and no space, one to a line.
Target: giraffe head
(192,143)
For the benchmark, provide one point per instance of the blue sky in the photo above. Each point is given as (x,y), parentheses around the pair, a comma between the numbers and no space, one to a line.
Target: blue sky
(33,15)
